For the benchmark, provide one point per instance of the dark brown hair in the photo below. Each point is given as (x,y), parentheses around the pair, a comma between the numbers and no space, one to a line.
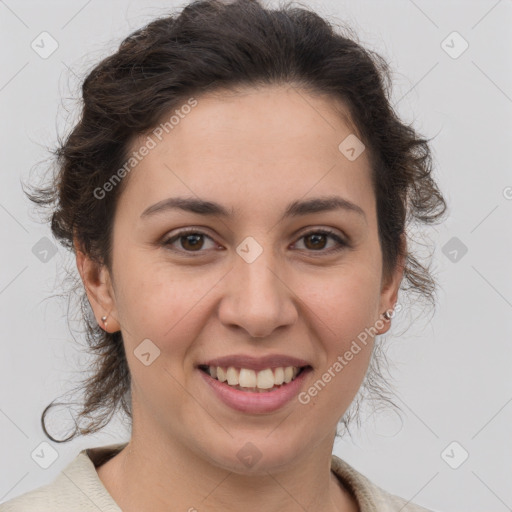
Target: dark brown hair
(211,46)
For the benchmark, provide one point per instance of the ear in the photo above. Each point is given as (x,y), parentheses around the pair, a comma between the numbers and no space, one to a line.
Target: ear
(98,285)
(390,287)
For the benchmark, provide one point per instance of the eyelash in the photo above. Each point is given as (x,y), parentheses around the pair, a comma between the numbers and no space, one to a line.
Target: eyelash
(342,244)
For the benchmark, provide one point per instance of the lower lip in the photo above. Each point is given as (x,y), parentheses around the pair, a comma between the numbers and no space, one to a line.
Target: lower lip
(250,402)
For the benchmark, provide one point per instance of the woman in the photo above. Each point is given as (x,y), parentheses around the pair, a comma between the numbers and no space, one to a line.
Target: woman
(236,194)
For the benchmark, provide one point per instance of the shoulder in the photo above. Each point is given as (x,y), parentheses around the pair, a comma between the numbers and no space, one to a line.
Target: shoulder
(77,487)
(370,497)
(39,499)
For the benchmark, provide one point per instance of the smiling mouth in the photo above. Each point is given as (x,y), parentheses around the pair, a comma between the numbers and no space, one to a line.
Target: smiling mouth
(245,379)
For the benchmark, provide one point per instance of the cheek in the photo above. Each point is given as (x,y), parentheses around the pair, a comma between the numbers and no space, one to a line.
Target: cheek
(346,302)
(168,306)
(151,295)
(343,313)
(169,311)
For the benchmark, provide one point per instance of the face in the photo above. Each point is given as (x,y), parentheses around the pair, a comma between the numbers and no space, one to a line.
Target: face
(261,286)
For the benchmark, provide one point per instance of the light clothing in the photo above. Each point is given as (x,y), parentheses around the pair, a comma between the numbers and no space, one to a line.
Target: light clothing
(78,488)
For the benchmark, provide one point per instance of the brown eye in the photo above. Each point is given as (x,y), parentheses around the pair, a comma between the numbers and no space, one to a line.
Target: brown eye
(315,241)
(190,241)
(193,241)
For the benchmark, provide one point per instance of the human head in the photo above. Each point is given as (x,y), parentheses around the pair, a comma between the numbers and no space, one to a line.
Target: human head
(211,47)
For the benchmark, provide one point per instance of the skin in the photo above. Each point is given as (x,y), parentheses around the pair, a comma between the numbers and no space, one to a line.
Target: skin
(255,150)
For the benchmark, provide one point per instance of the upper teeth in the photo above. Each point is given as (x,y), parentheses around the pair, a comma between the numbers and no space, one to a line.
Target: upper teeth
(246,378)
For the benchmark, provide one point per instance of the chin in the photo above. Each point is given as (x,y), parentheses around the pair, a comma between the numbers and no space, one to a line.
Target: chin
(255,453)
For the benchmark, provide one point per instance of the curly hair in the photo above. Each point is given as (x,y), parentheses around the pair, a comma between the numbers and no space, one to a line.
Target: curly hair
(209,46)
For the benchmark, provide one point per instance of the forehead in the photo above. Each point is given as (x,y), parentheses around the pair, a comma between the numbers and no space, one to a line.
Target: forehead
(278,118)
(251,144)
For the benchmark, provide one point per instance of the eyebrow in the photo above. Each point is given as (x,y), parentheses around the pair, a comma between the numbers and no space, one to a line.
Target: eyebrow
(294,209)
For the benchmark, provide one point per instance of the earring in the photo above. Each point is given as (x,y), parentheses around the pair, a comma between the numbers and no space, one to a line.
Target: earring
(386,315)
(104,320)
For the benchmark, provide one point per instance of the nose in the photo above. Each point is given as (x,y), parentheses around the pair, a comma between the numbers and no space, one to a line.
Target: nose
(258,299)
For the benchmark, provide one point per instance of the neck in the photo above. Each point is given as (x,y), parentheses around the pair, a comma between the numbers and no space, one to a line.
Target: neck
(151,475)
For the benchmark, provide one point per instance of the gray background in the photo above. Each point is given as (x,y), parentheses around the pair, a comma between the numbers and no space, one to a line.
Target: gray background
(451,370)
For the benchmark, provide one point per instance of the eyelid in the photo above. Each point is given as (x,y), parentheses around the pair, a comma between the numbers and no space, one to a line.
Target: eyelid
(340,239)
(167,240)
(320,229)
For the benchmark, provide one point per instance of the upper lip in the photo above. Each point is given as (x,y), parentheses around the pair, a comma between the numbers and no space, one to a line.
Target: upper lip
(255,363)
